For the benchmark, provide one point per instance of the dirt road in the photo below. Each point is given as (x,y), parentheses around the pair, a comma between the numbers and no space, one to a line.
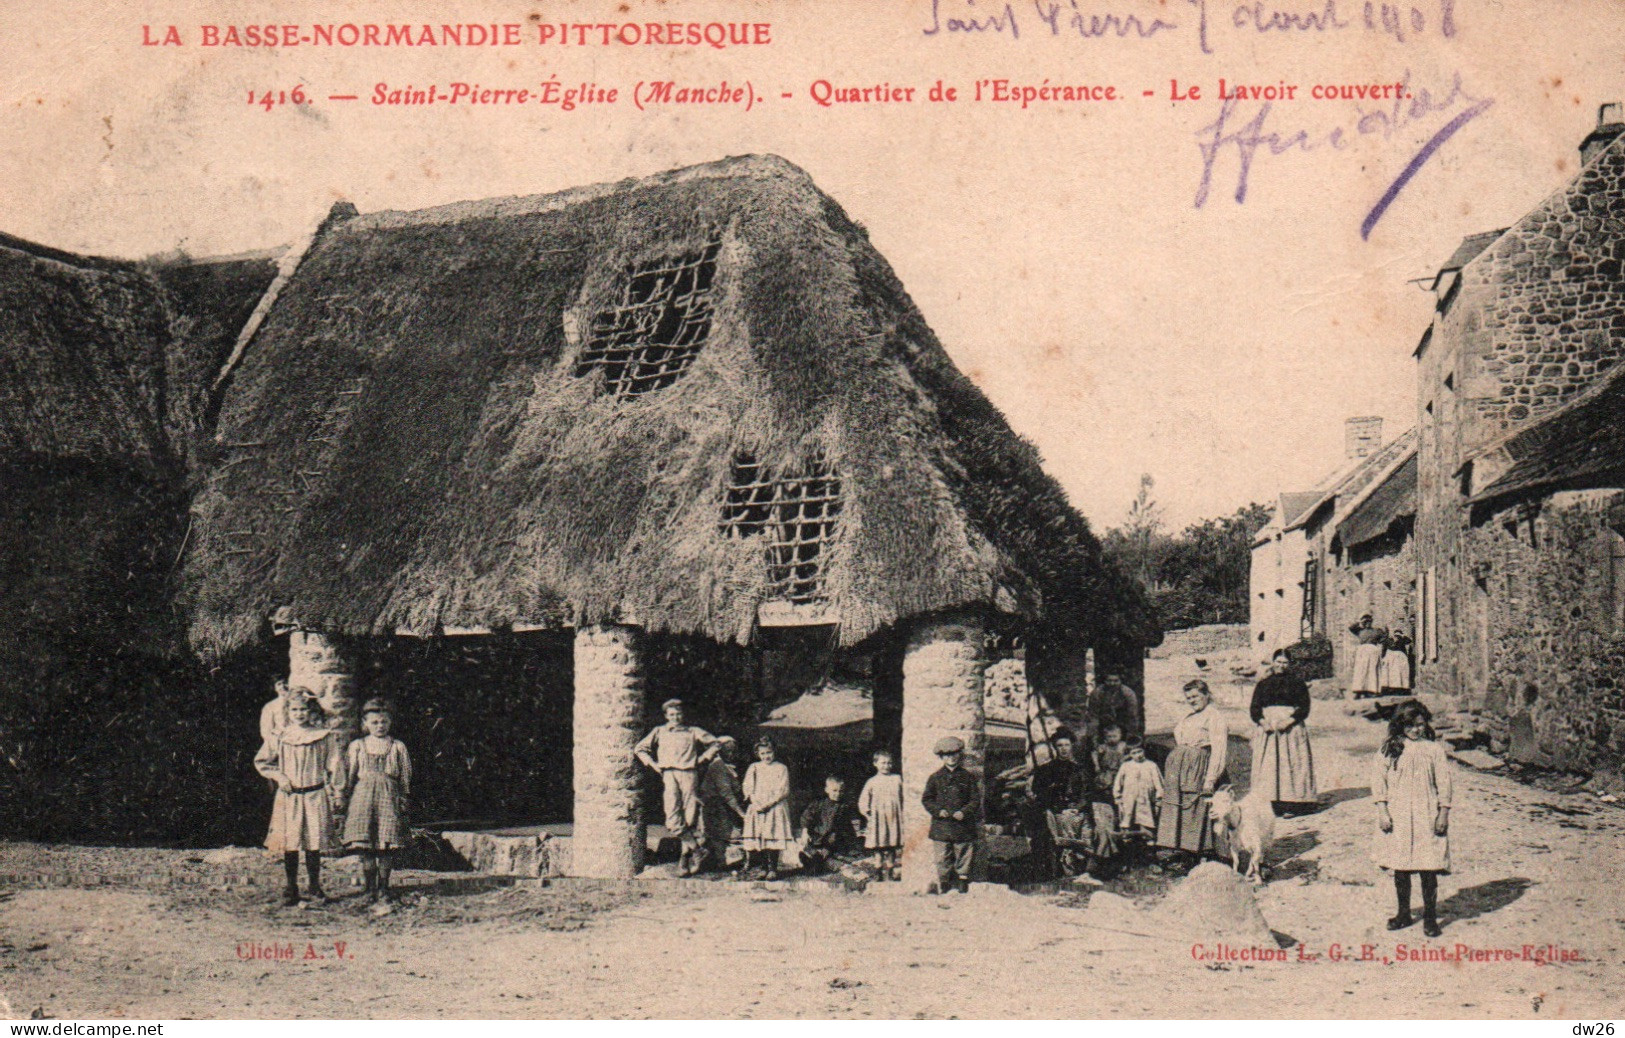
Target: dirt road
(1534,868)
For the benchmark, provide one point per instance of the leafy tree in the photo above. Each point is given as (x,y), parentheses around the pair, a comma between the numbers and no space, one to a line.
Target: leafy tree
(1198,576)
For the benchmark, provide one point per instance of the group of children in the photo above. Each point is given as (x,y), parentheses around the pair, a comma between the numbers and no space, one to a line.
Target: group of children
(1086,805)
(316,776)
(710,811)
(1083,807)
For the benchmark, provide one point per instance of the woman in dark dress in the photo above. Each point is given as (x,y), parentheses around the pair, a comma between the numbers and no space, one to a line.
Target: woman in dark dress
(1283,762)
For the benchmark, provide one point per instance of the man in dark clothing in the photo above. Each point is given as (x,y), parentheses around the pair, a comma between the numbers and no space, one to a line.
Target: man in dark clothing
(953,799)
(829,828)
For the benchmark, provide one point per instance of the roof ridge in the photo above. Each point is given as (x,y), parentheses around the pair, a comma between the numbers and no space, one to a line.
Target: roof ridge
(1384,474)
(1598,387)
(760,166)
(62,256)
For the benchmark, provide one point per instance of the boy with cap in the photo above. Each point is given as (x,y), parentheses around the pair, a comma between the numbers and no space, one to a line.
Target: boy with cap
(680,752)
(953,799)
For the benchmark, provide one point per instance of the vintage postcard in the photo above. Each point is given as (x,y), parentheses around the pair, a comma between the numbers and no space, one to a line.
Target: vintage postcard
(903,509)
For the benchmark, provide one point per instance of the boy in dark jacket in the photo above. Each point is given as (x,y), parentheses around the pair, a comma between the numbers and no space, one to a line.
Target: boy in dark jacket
(953,799)
(829,828)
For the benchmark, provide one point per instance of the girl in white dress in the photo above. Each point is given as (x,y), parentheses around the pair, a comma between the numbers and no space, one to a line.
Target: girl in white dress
(767,817)
(306,762)
(1412,786)
(1137,790)
(881,805)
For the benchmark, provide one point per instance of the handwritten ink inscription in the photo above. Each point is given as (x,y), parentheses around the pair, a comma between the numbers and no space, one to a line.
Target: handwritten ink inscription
(1244,133)
(1202,21)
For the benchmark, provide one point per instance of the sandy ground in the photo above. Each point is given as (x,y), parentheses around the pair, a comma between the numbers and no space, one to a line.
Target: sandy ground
(1534,868)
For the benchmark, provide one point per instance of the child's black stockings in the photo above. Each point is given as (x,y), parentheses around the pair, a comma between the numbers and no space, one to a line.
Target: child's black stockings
(290,865)
(1430,898)
(313,872)
(1402,893)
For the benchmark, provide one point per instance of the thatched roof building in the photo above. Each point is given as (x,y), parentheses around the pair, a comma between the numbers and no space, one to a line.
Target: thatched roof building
(105,367)
(696,402)
(656,417)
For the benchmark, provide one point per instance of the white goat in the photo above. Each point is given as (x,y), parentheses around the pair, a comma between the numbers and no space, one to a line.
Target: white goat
(1247,824)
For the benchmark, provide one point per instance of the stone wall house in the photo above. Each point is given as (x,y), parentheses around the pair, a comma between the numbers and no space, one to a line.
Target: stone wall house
(1277,578)
(1547,539)
(669,419)
(1527,319)
(1372,559)
(1303,583)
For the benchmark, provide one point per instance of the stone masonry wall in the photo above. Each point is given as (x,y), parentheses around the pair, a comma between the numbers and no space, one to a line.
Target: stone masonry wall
(1382,583)
(1535,319)
(1552,626)
(943,672)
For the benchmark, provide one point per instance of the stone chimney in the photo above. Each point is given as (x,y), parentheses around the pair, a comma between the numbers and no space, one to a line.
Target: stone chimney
(1610,124)
(1362,437)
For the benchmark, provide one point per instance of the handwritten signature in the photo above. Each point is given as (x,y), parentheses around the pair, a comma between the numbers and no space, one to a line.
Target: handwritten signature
(1249,137)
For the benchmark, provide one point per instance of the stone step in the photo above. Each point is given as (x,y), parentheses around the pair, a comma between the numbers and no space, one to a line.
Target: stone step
(1478,760)
(533,853)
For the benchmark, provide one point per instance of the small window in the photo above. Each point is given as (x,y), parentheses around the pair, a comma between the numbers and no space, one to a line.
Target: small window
(796,512)
(650,338)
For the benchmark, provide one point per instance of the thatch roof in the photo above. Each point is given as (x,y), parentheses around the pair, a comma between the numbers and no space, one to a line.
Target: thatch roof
(82,354)
(1355,480)
(1384,506)
(101,366)
(414,440)
(105,360)
(210,301)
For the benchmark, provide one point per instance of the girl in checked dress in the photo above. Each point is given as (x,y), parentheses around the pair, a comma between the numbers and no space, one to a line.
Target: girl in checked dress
(380,773)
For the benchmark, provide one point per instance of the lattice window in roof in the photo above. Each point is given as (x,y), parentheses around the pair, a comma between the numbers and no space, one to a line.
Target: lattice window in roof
(650,338)
(798,513)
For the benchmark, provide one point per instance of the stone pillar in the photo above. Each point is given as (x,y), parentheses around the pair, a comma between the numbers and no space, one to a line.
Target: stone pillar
(943,664)
(608,839)
(322,665)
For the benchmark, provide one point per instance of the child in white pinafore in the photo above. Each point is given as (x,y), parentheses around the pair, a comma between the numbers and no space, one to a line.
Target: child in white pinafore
(1412,786)
(881,804)
(1137,790)
(305,761)
(767,815)
(379,771)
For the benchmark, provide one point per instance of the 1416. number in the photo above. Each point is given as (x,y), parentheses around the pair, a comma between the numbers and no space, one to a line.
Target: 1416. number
(269,99)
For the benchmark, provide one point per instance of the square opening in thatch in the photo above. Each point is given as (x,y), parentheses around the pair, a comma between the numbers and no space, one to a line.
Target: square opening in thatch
(797,512)
(650,338)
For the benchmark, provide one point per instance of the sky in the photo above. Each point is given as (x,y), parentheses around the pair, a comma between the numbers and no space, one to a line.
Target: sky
(1058,249)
